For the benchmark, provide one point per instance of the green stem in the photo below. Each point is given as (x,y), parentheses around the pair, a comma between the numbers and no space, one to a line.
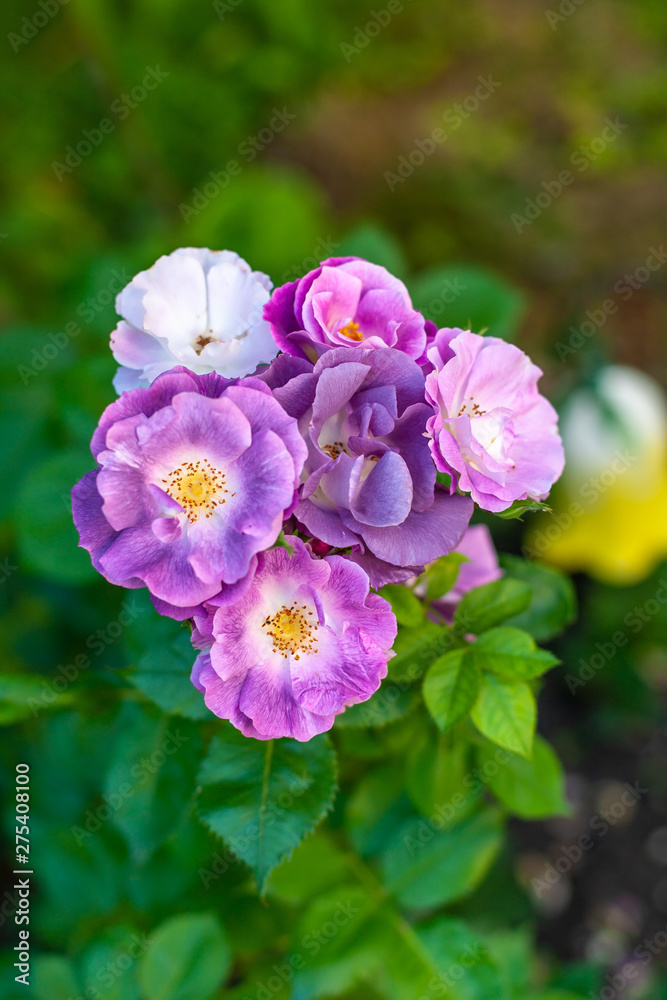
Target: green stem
(401,925)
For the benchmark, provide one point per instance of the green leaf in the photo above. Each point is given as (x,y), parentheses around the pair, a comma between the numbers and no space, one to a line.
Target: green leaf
(510,653)
(315,866)
(426,867)
(450,940)
(441,575)
(512,953)
(53,978)
(470,298)
(46,534)
(491,604)
(109,966)
(505,712)
(436,773)
(391,702)
(263,798)
(163,675)
(559,995)
(81,875)
(408,609)
(375,808)
(187,958)
(22,696)
(553,605)
(416,649)
(531,789)
(349,956)
(521,507)
(451,687)
(151,778)
(356,938)
(577,980)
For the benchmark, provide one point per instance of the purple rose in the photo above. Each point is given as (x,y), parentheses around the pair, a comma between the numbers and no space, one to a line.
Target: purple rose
(482,567)
(369,479)
(194,477)
(492,431)
(306,641)
(345,302)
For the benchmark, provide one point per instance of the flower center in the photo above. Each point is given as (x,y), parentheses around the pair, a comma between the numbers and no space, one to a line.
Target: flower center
(291,631)
(335,449)
(198,487)
(202,341)
(352,331)
(472,408)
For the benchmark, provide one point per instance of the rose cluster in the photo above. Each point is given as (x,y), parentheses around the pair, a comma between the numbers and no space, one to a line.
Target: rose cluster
(266,496)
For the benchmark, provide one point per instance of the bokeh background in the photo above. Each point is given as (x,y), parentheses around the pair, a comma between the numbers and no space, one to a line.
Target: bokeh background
(290,131)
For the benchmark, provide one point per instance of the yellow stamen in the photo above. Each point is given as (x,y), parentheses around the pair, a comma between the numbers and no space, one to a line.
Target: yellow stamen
(291,631)
(472,408)
(352,331)
(335,449)
(198,487)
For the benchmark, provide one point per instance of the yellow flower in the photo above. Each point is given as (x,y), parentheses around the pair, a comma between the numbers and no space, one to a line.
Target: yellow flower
(609,510)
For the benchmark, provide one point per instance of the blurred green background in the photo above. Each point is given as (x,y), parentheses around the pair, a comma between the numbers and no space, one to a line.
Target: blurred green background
(318,119)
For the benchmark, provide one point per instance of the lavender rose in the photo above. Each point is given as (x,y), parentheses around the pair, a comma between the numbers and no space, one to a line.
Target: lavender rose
(345,302)
(492,431)
(369,481)
(194,307)
(306,641)
(194,477)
